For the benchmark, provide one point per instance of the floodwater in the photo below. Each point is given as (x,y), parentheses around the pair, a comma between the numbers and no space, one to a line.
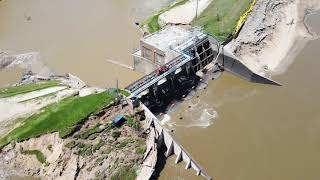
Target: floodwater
(76,36)
(262,132)
(9,76)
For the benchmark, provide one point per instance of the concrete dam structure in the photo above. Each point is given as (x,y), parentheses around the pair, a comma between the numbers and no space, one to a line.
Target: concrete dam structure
(175,60)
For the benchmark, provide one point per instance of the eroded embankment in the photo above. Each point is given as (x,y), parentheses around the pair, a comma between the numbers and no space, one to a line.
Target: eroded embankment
(273,35)
(53,134)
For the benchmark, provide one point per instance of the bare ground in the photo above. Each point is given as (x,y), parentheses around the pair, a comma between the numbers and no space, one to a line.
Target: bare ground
(76,157)
(273,35)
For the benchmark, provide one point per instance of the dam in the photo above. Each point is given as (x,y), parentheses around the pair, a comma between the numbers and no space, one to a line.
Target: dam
(175,61)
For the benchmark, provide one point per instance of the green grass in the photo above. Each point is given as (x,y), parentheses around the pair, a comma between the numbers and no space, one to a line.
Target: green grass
(221,16)
(152,22)
(141,150)
(60,117)
(39,155)
(125,173)
(132,122)
(25,88)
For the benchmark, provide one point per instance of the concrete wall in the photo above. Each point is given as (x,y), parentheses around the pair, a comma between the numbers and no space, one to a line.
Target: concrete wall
(173,147)
(235,66)
(154,53)
(143,65)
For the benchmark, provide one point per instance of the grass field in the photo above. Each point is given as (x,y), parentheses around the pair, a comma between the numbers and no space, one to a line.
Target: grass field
(59,117)
(218,20)
(15,90)
(221,16)
(152,21)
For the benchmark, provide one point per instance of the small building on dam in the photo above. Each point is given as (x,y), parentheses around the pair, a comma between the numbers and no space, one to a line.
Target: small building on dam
(170,58)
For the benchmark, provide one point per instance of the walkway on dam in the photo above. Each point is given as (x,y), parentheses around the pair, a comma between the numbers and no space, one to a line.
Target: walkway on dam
(147,81)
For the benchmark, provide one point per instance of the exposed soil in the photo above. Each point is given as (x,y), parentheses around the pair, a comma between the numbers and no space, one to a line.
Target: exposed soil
(101,154)
(273,34)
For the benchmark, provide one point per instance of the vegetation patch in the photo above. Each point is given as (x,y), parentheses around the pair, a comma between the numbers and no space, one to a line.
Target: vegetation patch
(152,22)
(124,143)
(39,155)
(100,160)
(221,17)
(98,145)
(49,147)
(91,131)
(86,150)
(25,88)
(132,122)
(125,173)
(115,134)
(107,151)
(141,150)
(60,117)
(70,145)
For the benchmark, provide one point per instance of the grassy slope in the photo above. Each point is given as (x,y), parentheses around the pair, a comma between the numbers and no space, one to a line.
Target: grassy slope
(152,21)
(59,117)
(221,16)
(15,90)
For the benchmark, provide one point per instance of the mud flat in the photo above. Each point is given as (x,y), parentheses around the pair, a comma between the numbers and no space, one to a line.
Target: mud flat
(273,35)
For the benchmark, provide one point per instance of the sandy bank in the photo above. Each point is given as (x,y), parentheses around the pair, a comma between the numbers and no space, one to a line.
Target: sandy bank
(273,35)
(183,14)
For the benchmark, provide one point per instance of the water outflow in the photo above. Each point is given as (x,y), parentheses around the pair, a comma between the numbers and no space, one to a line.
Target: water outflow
(262,132)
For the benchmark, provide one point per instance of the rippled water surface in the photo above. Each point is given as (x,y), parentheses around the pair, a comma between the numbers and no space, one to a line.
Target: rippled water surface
(262,132)
(77,36)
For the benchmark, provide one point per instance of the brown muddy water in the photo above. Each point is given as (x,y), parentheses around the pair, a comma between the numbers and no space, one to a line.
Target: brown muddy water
(262,132)
(76,36)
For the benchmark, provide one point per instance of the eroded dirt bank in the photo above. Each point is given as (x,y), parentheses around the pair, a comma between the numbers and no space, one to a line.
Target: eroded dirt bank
(96,150)
(273,35)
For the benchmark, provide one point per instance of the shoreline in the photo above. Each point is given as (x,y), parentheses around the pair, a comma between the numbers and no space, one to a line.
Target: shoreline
(268,46)
(59,156)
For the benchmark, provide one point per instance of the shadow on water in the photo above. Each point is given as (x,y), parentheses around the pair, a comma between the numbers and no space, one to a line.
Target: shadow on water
(161,161)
